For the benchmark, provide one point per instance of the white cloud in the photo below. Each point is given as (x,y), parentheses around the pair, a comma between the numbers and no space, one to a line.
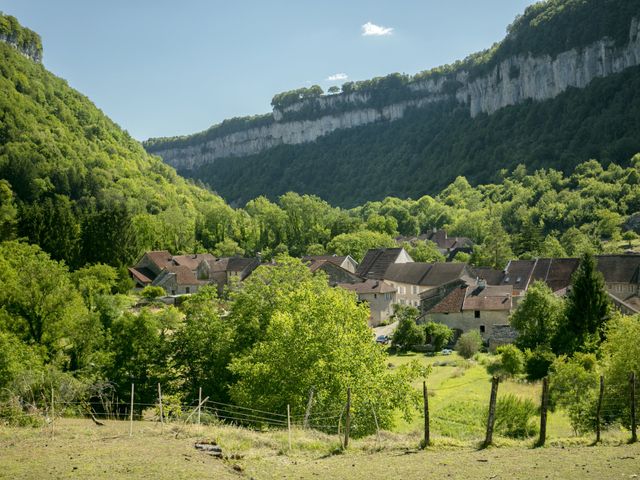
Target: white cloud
(337,77)
(371,29)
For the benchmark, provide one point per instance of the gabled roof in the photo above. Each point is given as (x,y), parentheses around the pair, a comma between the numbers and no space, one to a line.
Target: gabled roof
(426,274)
(619,268)
(161,258)
(376,261)
(192,260)
(489,298)
(489,274)
(369,286)
(444,242)
(335,259)
(451,303)
(183,276)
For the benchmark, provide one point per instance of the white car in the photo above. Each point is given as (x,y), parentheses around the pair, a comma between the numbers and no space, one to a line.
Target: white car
(446,351)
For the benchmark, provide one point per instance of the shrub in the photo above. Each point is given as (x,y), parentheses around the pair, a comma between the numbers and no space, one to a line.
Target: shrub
(573,387)
(514,417)
(537,363)
(511,359)
(152,292)
(469,344)
(439,334)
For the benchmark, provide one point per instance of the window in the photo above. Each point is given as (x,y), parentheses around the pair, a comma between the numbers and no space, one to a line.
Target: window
(375,295)
(476,313)
(173,292)
(482,329)
(187,290)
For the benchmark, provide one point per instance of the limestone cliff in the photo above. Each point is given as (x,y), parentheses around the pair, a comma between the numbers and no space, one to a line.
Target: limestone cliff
(26,41)
(516,79)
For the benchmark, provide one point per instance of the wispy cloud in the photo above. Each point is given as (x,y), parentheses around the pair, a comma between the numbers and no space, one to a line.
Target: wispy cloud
(372,30)
(337,77)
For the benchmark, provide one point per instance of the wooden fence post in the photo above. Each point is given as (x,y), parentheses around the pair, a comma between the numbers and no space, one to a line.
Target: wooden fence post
(544,405)
(305,425)
(425,396)
(199,403)
(599,410)
(289,424)
(492,412)
(375,419)
(347,422)
(131,413)
(53,415)
(161,412)
(634,426)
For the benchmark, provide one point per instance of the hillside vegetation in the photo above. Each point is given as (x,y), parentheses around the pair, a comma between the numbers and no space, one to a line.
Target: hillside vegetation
(74,182)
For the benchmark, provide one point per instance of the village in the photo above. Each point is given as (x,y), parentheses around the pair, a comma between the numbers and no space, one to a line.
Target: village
(462,297)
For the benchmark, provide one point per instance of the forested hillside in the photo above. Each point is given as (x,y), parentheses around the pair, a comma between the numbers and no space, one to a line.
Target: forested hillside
(74,182)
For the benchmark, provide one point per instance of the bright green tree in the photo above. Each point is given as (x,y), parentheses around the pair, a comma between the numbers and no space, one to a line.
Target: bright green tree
(537,317)
(314,336)
(469,344)
(356,244)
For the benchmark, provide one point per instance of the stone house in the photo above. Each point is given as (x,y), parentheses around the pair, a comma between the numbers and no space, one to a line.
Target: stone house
(379,295)
(185,274)
(480,307)
(335,273)
(411,280)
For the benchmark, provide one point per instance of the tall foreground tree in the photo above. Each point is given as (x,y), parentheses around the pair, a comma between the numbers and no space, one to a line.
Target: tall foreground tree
(588,309)
(311,336)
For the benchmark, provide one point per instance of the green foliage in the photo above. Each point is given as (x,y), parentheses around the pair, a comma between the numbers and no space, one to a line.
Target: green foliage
(424,251)
(151,292)
(469,344)
(511,359)
(202,347)
(356,244)
(621,351)
(537,317)
(439,334)
(538,362)
(515,417)
(407,333)
(76,179)
(23,38)
(573,387)
(313,336)
(16,358)
(94,280)
(588,309)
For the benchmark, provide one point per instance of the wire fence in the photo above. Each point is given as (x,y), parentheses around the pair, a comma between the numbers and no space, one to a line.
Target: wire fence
(599,408)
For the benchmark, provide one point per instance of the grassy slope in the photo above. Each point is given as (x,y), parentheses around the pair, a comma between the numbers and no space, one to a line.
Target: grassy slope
(459,398)
(82,450)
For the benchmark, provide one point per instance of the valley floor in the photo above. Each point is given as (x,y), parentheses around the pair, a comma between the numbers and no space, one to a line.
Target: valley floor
(80,449)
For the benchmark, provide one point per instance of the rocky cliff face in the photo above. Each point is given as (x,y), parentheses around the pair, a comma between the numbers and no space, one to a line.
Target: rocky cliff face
(514,80)
(30,51)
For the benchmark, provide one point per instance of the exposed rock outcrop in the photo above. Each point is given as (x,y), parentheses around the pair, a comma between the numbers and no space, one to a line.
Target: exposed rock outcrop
(514,80)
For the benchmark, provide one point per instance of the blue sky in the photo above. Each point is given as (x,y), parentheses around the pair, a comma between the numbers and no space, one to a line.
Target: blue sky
(163,68)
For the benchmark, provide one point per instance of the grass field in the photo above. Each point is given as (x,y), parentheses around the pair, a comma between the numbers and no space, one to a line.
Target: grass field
(80,449)
(459,397)
(77,448)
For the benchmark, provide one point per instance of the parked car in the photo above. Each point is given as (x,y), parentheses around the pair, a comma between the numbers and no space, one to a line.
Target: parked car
(446,351)
(382,339)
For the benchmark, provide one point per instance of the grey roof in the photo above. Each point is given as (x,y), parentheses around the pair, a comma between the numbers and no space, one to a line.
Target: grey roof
(619,268)
(431,274)
(376,261)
